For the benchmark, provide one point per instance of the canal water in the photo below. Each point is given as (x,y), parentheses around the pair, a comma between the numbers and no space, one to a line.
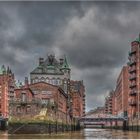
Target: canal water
(83,134)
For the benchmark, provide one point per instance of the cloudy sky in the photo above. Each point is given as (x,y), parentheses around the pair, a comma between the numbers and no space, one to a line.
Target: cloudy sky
(95,37)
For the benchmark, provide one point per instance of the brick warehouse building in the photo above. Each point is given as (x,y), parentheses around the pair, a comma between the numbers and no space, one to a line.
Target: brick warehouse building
(116,102)
(47,92)
(127,92)
(31,99)
(77,91)
(49,89)
(109,103)
(6,90)
(121,93)
(53,71)
(57,72)
(134,80)
(24,104)
(50,86)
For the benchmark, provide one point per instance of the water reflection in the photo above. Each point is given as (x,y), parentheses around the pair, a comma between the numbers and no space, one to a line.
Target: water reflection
(3,135)
(83,134)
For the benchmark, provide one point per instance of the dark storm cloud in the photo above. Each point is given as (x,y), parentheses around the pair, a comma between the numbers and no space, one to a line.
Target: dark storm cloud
(102,32)
(28,30)
(95,36)
(98,42)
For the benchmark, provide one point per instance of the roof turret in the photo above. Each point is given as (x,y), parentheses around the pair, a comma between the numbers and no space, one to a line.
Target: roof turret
(2,69)
(65,64)
(18,84)
(51,65)
(138,40)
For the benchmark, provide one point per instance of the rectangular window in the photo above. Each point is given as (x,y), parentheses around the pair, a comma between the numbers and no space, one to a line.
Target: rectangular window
(18,110)
(28,109)
(44,101)
(23,97)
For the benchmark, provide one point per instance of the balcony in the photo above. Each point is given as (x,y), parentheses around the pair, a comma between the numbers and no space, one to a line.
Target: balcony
(132,69)
(132,62)
(132,85)
(132,103)
(133,93)
(23,102)
(129,53)
(129,57)
(132,77)
(132,52)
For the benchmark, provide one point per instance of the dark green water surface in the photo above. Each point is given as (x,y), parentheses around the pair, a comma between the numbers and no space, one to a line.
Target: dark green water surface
(83,134)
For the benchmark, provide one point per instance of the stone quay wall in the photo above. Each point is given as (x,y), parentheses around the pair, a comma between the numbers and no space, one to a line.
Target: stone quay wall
(134,125)
(40,128)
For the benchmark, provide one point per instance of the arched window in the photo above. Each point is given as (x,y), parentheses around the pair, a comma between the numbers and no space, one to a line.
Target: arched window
(36,80)
(57,81)
(54,81)
(23,97)
(42,79)
(51,81)
(65,85)
(47,80)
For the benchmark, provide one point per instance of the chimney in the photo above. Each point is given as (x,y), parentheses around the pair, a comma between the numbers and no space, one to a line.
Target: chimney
(41,61)
(26,82)
(61,61)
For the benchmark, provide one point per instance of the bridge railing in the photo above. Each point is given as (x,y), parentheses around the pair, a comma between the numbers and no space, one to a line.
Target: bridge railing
(103,119)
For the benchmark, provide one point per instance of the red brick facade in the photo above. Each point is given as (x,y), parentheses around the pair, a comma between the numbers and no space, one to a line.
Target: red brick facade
(6,91)
(117,101)
(126,98)
(121,93)
(31,99)
(134,80)
(109,103)
(24,104)
(77,90)
(47,92)
(50,90)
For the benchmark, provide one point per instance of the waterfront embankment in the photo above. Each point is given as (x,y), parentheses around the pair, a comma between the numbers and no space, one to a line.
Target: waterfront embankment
(41,127)
(129,125)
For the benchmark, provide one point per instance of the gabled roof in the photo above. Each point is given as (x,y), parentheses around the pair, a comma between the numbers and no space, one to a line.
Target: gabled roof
(24,89)
(54,86)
